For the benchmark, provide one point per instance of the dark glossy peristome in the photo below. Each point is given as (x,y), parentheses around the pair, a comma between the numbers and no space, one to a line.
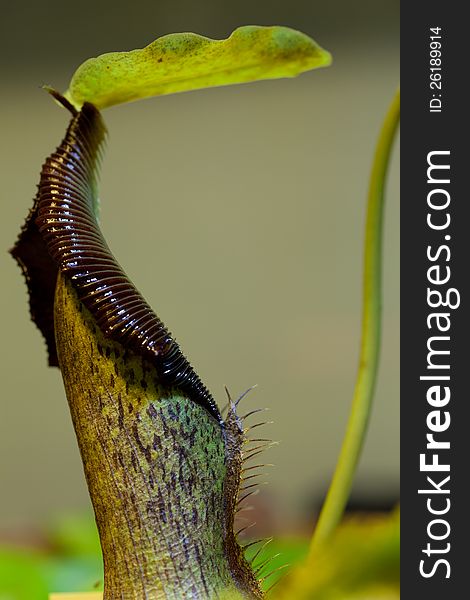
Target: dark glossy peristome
(61,232)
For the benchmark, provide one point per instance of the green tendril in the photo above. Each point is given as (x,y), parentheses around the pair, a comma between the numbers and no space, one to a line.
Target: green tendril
(353,441)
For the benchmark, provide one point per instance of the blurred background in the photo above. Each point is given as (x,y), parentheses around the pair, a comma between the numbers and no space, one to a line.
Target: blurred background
(239,213)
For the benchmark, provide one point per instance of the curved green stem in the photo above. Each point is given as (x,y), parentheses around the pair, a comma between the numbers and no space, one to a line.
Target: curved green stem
(340,487)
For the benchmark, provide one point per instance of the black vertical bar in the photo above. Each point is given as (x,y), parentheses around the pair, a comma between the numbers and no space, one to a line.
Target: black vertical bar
(423,412)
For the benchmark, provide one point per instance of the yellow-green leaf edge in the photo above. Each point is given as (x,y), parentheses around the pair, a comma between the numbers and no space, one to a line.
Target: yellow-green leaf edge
(186,61)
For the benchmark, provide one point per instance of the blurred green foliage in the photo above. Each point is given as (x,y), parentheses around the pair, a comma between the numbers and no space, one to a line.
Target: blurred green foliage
(69,562)
(360,563)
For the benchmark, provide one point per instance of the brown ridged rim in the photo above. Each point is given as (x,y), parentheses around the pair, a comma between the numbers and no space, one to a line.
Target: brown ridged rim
(61,232)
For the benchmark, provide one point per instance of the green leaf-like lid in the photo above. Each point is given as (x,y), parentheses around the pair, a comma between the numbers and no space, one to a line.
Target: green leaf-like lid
(186,61)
